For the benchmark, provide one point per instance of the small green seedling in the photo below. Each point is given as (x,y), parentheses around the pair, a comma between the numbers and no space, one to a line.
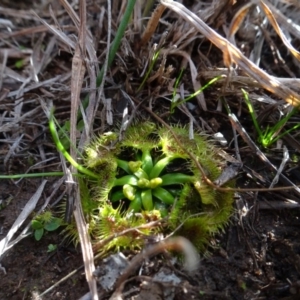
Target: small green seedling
(271,134)
(44,222)
(19,64)
(153,61)
(51,248)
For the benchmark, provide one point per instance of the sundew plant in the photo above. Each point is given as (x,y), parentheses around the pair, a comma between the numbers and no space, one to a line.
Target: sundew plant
(148,176)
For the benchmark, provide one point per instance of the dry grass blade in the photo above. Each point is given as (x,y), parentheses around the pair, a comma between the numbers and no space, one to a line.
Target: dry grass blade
(288,23)
(152,24)
(87,46)
(229,50)
(2,67)
(93,105)
(27,210)
(209,74)
(285,159)
(14,123)
(12,149)
(275,25)
(61,35)
(58,78)
(238,19)
(78,71)
(18,13)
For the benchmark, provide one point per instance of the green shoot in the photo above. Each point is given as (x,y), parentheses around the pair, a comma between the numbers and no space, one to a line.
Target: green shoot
(31,175)
(44,222)
(175,88)
(113,49)
(177,103)
(60,147)
(65,153)
(251,110)
(154,59)
(51,248)
(19,64)
(117,41)
(271,134)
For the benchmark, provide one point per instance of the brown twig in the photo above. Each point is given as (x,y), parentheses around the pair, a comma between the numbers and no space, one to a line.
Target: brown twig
(176,244)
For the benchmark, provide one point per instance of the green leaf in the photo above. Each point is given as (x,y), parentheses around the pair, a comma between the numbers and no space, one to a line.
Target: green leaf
(36,224)
(136,204)
(163,209)
(124,165)
(53,224)
(163,195)
(19,63)
(51,248)
(147,161)
(159,166)
(134,166)
(116,196)
(127,179)
(129,191)
(147,200)
(38,234)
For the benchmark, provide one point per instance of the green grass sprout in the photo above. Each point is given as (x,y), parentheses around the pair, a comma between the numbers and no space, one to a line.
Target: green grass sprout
(118,38)
(113,49)
(174,99)
(271,134)
(153,61)
(175,102)
(31,175)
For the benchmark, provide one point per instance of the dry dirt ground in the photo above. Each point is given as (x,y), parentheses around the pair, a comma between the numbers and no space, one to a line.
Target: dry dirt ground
(256,257)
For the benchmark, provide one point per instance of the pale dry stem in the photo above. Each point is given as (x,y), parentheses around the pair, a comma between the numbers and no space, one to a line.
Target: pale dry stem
(233,55)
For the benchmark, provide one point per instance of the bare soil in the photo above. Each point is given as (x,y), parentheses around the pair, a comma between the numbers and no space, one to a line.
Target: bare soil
(256,258)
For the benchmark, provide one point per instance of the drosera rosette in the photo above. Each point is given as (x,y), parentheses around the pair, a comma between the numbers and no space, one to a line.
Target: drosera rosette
(148,176)
(201,211)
